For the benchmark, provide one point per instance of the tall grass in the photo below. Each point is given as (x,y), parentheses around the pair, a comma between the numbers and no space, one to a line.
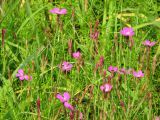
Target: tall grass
(34,42)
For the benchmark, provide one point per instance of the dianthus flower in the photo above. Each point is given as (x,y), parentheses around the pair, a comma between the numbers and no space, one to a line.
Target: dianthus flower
(76,55)
(64,99)
(66,66)
(112,69)
(106,87)
(21,75)
(127,31)
(138,74)
(149,43)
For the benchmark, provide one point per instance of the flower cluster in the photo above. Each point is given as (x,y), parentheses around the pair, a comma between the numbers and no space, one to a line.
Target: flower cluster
(66,66)
(64,99)
(22,76)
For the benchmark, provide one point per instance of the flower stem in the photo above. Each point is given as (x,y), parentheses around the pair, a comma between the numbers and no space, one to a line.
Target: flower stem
(148,62)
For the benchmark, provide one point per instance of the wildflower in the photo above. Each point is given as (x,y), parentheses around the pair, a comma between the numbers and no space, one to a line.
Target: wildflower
(127,31)
(112,69)
(21,75)
(149,43)
(76,55)
(138,74)
(157,118)
(66,66)
(63,98)
(80,116)
(58,11)
(106,87)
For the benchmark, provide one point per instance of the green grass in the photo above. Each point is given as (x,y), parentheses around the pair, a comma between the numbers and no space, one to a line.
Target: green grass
(34,43)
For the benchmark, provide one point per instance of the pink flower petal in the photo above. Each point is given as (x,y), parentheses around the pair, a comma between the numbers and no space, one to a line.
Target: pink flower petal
(76,55)
(112,69)
(26,77)
(69,106)
(60,97)
(58,11)
(138,74)
(106,87)
(127,31)
(152,44)
(20,71)
(21,78)
(81,116)
(30,78)
(54,10)
(63,11)
(149,43)
(66,66)
(18,75)
(66,96)
(102,88)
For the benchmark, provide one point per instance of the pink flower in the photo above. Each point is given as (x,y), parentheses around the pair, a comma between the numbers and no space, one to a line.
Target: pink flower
(66,66)
(76,55)
(157,118)
(68,106)
(26,77)
(21,75)
(58,11)
(81,116)
(138,74)
(148,43)
(106,87)
(63,98)
(127,31)
(112,69)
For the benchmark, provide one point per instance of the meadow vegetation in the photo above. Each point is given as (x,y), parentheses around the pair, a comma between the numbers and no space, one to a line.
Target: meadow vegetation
(80,60)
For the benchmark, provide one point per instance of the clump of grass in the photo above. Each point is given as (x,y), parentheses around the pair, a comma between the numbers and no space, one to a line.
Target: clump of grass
(92,62)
